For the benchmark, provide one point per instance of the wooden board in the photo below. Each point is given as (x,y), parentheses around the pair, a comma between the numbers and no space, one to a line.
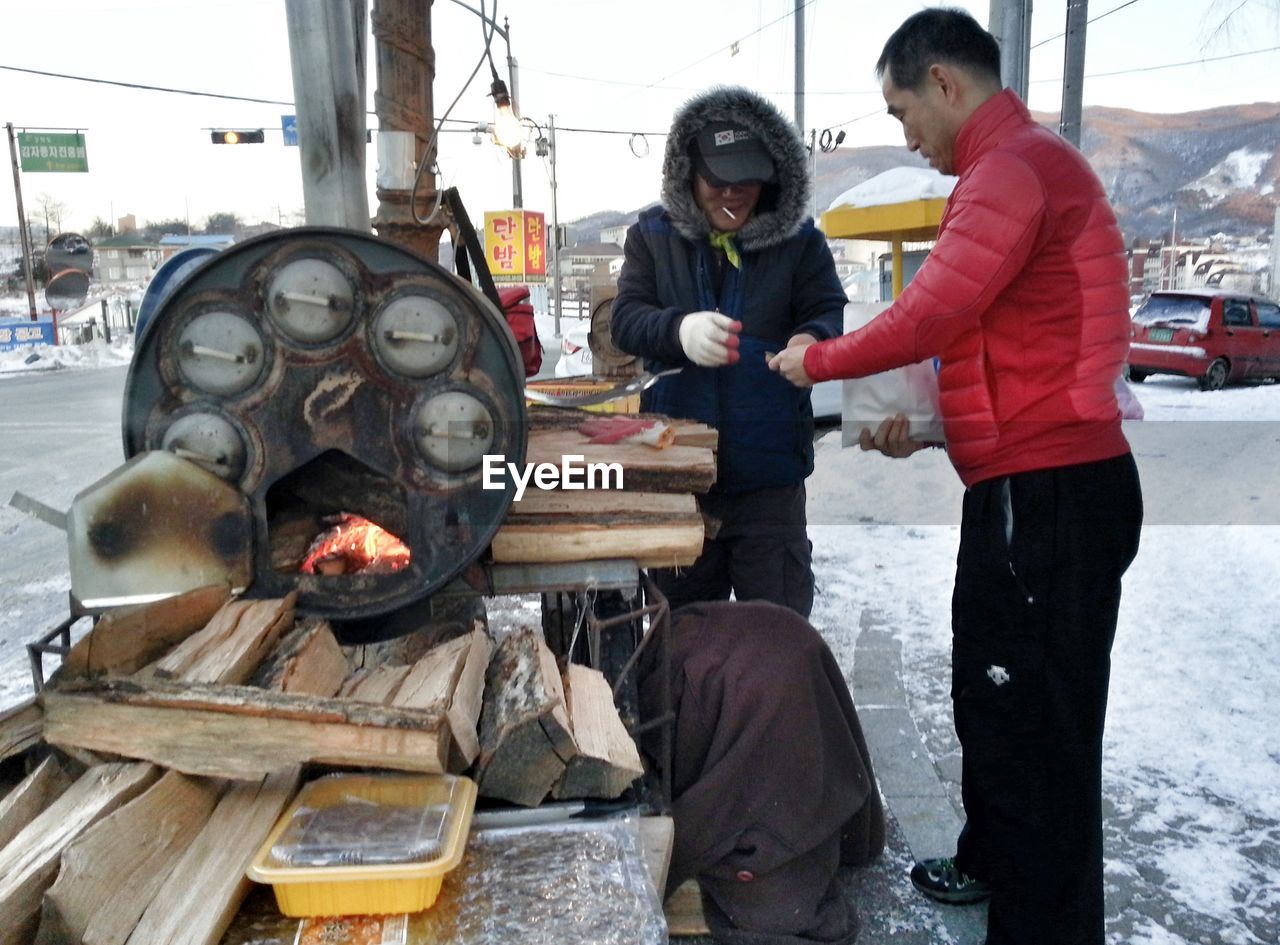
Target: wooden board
(238,731)
(20,728)
(450,678)
(377,685)
(525,736)
(202,893)
(607,760)
(688,432)
(657,834)
(683,909)
(644,469)
(33,794)
(308,660)
(143,840)
(29,862)
(650,546)
(641,505)
(126,640)
(232,645)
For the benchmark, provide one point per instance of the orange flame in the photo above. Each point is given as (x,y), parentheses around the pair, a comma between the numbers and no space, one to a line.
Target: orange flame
(355,545)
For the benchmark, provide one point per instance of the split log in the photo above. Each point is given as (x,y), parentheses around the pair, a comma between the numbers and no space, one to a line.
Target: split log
(640,505)
(29,862)
(376,685)
(450,678)
(124,641)
(33,795)
(650,545)
(308,660)
(143,840)
(231,646)
(607,760)
(201,894)
(239,731)
(653,529)
(675,469)
(20,728)
(525,737)
(688,432)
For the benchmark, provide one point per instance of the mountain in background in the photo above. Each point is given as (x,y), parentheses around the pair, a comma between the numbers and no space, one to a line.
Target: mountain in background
(1220,168)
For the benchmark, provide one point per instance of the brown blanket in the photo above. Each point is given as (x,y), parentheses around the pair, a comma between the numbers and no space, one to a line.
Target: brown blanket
(772,784)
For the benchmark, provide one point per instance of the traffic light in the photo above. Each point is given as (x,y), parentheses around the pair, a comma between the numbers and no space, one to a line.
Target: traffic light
(238,136)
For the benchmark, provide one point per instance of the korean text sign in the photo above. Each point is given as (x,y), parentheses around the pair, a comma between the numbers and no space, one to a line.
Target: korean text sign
(49,151)
(515,245)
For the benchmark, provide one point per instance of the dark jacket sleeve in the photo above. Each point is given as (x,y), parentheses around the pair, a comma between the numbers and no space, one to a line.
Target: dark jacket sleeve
(640,324)
(819,299)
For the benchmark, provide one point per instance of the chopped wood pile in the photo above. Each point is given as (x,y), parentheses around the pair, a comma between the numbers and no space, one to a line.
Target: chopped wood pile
(181,730)
(653,520)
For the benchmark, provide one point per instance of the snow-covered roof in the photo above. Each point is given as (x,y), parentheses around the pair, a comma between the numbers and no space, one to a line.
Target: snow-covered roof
(897,185)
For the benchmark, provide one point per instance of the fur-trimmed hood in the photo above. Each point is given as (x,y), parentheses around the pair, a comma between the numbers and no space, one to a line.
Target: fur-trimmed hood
(784,204)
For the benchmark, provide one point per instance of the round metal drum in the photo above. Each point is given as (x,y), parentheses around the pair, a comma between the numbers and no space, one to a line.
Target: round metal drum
(328,374)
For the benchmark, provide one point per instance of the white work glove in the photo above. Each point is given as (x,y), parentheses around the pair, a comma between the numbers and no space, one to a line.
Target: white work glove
(710,339)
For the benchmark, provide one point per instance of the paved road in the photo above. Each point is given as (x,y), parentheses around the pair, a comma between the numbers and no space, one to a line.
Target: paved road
(60,432)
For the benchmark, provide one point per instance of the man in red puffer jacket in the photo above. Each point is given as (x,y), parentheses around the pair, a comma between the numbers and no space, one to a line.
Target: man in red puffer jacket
(1023,300)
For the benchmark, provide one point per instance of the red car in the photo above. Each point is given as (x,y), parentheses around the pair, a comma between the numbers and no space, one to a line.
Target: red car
(1214,336)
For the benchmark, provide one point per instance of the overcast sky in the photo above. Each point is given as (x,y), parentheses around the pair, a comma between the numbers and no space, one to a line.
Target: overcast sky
(597,65)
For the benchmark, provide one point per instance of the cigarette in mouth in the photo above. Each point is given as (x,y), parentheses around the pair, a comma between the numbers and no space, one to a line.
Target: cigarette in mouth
(729,213)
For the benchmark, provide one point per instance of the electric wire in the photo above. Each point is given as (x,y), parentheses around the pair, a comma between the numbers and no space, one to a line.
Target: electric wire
(788,15)
(1094,19)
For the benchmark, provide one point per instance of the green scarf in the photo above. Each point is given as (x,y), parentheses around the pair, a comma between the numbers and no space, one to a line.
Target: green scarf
(724,243)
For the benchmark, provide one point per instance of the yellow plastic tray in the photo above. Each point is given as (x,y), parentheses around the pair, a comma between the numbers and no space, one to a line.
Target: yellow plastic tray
(369,889)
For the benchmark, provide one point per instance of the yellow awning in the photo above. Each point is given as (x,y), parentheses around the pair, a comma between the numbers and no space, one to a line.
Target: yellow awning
(911,221)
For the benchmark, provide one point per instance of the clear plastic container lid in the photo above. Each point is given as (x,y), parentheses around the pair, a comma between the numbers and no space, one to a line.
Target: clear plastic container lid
(368,820)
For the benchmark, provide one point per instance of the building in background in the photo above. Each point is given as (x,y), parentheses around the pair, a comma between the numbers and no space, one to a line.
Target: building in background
(126,258)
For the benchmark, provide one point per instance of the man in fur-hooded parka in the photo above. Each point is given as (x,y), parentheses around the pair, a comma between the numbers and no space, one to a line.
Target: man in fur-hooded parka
(776,279)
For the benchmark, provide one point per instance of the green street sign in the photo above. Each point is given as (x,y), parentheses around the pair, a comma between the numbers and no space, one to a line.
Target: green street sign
(49,151)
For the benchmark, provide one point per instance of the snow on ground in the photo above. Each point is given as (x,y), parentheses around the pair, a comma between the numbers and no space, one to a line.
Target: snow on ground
(96,354)
(1192,753)
(1192,749)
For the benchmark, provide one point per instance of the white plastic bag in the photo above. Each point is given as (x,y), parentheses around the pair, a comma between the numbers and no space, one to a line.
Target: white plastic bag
(910,390)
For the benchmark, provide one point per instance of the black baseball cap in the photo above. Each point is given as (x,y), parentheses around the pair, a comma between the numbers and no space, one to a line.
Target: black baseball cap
(725,153)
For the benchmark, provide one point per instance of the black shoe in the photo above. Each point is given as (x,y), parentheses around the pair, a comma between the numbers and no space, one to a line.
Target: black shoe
(942,880)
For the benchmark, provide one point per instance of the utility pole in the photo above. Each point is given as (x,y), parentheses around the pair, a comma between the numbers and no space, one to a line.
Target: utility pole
(555,225)
(517,188)
(405,107)
(800,66)
(1273,285)
(327,52)
(1010,24)
(22,223)
(1073,71)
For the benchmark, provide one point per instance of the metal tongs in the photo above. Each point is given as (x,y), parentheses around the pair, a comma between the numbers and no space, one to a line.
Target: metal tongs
(634,386)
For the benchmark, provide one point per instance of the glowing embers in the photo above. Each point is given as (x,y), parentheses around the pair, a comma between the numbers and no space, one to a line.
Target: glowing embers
(354,545)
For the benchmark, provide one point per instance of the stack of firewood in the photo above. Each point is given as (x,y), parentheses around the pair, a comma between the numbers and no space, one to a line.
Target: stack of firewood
(654,521)
(181,731)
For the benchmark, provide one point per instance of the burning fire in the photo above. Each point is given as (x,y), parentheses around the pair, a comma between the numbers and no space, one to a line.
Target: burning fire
(355,545)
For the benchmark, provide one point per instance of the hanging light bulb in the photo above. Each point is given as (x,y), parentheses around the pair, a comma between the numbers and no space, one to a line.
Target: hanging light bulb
(508,133)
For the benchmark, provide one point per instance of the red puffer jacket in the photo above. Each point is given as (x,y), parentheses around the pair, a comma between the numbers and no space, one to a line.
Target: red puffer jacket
(1023,299)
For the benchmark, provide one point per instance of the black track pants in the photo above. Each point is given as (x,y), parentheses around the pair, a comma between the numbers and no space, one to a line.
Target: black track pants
(1033,618)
